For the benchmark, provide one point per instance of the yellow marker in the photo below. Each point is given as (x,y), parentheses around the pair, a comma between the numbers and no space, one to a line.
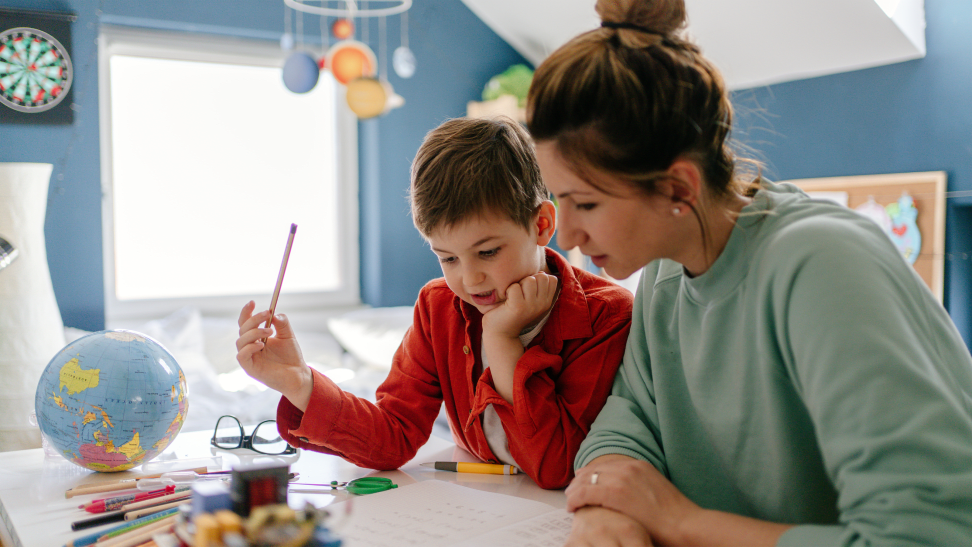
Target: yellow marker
(470,467)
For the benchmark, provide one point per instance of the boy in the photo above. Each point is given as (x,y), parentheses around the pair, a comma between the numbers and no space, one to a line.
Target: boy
(521,346)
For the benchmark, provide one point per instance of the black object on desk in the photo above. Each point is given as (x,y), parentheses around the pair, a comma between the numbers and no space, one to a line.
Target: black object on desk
(254,486)
(104,518)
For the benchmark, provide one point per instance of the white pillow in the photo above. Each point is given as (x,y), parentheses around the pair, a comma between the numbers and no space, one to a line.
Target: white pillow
(220,336)
(372,335)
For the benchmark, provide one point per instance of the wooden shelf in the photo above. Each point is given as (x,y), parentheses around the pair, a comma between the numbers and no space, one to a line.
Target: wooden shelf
(504,105)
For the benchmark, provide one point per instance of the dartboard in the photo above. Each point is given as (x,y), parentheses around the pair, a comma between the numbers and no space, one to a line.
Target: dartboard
(35,70)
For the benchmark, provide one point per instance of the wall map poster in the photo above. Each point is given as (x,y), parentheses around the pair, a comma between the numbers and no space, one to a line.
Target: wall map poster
(36,71)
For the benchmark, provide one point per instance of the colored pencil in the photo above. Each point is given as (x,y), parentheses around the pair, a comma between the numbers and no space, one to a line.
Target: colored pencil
(280,275)
(135,524)
(103,518)
(132,515)
(120,484)
(132,511)
(92,538)
(157,501)
(111,504)
(140,535)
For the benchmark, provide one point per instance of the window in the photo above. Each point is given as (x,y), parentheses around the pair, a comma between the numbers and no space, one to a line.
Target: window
(206,161)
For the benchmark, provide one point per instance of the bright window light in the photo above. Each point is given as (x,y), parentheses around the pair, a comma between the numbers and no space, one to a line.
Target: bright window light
(889,6)
(204,182)
(210,163)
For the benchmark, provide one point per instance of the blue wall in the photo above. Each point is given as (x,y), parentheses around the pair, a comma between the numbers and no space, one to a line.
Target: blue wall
(907,117)
(456,55)
(914,116)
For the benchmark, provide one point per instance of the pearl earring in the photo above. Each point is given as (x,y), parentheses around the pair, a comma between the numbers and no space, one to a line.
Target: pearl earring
(676,210)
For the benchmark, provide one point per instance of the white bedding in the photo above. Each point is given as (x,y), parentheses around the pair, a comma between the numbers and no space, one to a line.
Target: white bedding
(357,356)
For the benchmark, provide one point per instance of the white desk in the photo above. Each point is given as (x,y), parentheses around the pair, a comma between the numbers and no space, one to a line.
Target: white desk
(35,513)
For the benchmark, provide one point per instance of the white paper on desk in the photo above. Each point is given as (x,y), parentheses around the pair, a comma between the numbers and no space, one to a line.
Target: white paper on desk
(441,514)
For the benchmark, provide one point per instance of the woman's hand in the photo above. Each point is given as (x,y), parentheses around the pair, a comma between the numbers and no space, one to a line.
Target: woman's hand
(278,362)
(600,526)
(636,489)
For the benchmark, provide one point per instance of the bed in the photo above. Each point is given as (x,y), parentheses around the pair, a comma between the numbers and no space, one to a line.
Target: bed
(355,350)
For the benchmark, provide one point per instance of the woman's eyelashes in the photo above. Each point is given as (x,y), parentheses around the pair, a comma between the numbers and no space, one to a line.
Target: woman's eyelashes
(585,206)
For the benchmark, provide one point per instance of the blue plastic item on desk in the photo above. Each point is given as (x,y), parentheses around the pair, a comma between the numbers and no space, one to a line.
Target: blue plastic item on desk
(323,537)
(210,496)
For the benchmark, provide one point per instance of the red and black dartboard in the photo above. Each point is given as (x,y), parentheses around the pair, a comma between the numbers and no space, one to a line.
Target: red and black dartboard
(35,70)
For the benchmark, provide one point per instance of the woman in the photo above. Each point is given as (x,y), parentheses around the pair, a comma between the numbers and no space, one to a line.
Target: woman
(788,378)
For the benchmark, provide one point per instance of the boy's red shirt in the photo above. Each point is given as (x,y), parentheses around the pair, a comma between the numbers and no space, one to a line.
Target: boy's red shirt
(560,384)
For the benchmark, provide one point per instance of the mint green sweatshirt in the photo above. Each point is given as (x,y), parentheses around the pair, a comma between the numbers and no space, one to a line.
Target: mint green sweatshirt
(808,377)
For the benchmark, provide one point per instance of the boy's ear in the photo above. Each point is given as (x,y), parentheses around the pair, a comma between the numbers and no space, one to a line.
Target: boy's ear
(546,222)
(684,183)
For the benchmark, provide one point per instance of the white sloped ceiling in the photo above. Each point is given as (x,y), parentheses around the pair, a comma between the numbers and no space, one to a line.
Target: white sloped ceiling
(753,42)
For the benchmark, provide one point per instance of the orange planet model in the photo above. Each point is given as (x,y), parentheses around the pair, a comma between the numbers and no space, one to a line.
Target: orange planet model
(342,29)
(350,59)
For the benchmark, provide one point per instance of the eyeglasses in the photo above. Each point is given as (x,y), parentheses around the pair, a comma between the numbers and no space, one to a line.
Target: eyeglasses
(265,438)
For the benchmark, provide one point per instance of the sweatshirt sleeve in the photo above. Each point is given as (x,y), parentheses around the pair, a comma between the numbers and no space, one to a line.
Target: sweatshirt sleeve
(628,422)
(887,381)
(552,411)
(385,435)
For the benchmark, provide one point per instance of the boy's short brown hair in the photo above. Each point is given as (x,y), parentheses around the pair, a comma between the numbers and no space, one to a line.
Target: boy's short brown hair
(474,167)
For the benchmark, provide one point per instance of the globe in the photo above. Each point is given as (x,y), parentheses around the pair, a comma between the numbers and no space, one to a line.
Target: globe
(111,400)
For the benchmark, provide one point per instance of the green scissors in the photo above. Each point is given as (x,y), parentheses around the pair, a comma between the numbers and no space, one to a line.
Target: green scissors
(365,485)
(360,487)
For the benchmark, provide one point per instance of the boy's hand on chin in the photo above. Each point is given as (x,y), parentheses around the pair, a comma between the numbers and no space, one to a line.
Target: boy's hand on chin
(526,303)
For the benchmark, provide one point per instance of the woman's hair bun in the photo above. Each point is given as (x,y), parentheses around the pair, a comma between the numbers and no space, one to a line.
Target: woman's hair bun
(662,16)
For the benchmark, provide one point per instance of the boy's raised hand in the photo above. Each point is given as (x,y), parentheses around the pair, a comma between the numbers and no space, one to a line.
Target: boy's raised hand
(526,303)
(278,363)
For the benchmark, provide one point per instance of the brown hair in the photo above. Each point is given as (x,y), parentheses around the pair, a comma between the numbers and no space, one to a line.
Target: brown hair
(631,97)
(474,167)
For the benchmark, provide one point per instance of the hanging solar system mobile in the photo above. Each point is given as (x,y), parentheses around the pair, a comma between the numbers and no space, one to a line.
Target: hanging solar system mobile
(35,70)
(351,62)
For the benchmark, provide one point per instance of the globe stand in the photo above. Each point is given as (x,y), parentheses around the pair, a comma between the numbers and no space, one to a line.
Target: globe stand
(50,453)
